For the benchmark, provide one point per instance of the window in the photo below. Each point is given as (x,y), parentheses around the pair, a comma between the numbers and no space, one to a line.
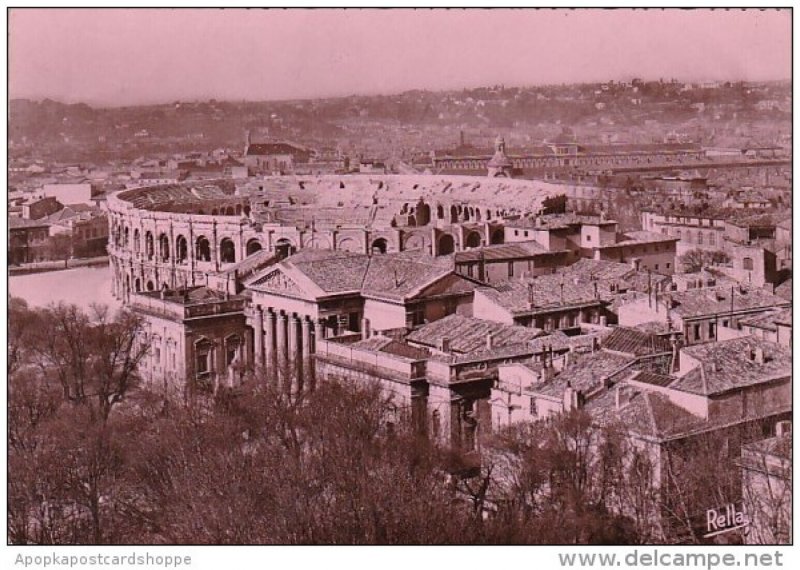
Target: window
(656,266)
(511,269)
(712,238)
(588,237)
(526,233)
(712,330)
(696,332)
(202,363)
(669,265)
(534,410)
(747,263)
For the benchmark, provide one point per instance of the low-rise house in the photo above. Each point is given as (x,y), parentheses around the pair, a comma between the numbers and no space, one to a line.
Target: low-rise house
(498,263)
(594,237)
(698,314)
(27,240)
(774,326)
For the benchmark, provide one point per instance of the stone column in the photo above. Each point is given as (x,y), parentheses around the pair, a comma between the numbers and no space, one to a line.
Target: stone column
(319,330)
(281,334)
(306,377)
(295,363)
(258,338)
(270,363)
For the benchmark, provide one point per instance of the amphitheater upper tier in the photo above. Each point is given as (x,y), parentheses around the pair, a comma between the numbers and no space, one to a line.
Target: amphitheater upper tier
(168,236)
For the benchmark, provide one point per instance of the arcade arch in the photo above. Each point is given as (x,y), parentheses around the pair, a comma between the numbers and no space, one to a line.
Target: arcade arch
(227,251)
(447,244)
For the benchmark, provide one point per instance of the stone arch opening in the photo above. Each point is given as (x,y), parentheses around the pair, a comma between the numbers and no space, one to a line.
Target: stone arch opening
(439,212)
(447,245)
(214,212)
(380,245)
(150,286)
(163,247)
(229,211)
(137,285)
(227,251)
(253,246)
(477,214)
(238,209)
(423,214)
(498,236)
(473,240)
(137,245)
(181,249)
(348,244)
(453,214)
(283,248)
(126,236)
(203,249)
(149,245)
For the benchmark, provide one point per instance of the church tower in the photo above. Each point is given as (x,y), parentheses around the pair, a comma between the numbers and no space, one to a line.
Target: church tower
(500,165)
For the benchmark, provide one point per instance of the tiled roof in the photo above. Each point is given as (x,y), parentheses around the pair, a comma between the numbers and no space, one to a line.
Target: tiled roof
(652,378)
(513,250)
(717,300)
(635,342)
(652,414)
(336,273)
(612,272)
(394,276)
(586,372)
(769,319)
(547,293)
(392,346)
(729,364)
(784,290)
(20,223)
(397,276)
(467,334)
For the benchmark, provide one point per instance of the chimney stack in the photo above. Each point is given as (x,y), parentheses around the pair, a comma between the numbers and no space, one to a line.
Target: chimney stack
(531,301)
(444,344)
(489,341)
(758,355)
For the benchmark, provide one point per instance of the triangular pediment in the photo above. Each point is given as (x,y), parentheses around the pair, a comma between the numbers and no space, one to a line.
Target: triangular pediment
(276,280)
(451,284)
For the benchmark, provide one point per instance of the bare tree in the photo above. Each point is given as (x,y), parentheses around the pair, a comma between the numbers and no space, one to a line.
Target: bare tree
(93,357)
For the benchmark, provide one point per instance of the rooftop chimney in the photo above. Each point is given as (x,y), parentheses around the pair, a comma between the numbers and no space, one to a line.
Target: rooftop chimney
(758,355)
(444,344)
(635,263)
(489,341)
(531,301)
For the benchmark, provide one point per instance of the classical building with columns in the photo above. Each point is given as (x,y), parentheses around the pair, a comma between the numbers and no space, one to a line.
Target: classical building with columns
(373,249)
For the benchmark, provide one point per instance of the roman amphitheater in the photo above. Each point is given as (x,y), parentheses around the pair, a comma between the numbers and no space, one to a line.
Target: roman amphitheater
(173,236)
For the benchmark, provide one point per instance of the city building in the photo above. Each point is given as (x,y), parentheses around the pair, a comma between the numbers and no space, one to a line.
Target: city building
(701,315)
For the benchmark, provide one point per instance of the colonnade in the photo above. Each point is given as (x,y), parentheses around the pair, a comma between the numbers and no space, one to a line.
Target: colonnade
(283,344)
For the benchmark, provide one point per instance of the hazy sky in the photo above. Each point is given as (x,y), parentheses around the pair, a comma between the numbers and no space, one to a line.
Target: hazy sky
(120,57)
